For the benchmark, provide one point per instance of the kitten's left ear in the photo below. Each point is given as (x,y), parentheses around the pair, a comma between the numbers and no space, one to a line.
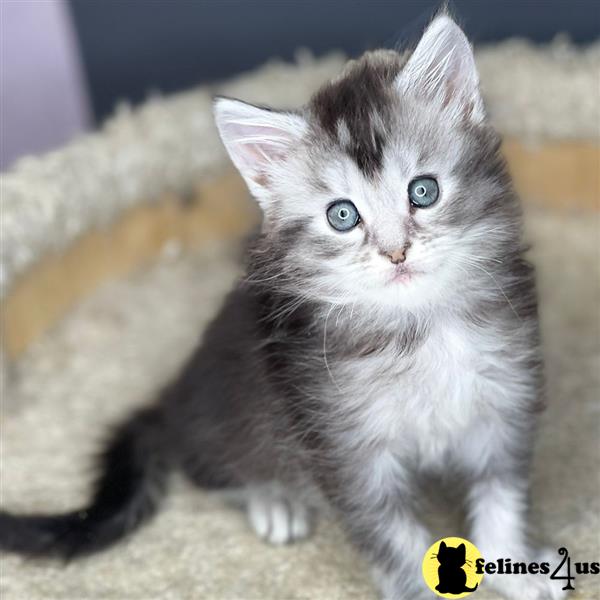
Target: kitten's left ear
(257,139)
(442,68)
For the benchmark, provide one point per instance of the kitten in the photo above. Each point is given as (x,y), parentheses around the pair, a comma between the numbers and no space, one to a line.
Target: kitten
(386,328)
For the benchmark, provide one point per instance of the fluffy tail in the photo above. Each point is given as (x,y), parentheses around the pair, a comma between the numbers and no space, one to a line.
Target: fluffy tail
(133,478)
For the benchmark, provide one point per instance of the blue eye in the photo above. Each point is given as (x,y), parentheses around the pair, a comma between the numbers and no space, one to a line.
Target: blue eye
(423,192)
(343,215)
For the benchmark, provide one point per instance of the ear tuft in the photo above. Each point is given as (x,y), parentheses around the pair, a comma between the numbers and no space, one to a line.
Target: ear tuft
(442,68)
(256,138)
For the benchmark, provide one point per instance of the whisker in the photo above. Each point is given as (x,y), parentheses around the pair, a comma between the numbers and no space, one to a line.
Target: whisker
(473,262)
(499,287)
(325,349)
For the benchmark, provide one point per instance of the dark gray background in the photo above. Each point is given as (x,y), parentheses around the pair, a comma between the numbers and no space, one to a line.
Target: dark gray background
(131,47)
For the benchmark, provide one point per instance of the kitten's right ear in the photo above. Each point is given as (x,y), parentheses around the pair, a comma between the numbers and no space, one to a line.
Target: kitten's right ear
(257,139)
(442,68)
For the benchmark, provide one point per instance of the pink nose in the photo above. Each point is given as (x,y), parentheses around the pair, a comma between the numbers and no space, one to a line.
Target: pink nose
(398,256)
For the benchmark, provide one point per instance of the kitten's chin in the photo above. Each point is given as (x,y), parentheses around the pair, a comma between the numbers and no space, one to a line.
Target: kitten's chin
(402,275)
(405,289)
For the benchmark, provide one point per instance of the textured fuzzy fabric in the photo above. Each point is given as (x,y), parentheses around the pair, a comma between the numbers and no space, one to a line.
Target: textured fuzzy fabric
(114,351)
(169,143)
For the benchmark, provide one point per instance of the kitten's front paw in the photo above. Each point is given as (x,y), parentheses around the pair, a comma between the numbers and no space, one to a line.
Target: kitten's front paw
(277,519)
(526,587)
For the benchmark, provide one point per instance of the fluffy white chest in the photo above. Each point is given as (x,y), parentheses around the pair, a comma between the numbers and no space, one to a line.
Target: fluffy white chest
(422,404)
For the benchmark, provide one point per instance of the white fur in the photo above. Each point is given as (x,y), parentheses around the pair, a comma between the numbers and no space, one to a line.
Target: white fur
(447,412)
(426,406)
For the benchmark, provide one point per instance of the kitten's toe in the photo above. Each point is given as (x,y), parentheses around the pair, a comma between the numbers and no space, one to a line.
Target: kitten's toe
(527,587)
(552,588)
(259,517)
(300,521)
(278,520)
(281,523)
(544,588)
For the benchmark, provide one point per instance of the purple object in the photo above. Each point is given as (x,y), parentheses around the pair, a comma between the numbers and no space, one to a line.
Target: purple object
(43,96)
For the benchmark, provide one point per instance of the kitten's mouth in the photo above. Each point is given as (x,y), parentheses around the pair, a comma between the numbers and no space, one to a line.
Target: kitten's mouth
(402,274)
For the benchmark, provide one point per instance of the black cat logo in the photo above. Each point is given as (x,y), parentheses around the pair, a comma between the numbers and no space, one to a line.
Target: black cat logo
(452,577)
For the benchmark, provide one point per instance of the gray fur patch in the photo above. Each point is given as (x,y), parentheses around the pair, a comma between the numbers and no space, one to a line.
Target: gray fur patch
(359,102)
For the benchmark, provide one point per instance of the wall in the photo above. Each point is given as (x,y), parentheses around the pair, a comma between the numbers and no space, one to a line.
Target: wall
(132,48)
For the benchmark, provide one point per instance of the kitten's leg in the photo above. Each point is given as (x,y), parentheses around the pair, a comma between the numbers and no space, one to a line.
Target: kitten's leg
(277,516)
(374,498)
(396,552)
(498,507)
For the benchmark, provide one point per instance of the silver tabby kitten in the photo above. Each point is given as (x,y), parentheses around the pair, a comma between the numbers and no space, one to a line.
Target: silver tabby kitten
(386,329)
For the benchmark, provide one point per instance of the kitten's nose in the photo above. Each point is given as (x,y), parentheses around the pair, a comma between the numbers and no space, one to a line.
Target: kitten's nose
(398,256)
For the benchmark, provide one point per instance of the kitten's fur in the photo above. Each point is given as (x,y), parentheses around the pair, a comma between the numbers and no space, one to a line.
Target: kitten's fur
(322,379)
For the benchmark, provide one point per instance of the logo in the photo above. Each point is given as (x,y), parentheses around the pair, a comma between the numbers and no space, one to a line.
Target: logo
(449,568)
(453,568)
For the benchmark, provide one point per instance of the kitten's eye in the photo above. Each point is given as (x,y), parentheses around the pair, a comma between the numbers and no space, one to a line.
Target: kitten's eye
(343,215)
(423,192)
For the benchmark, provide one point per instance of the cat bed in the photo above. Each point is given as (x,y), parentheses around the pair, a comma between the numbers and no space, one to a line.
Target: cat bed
(130,236)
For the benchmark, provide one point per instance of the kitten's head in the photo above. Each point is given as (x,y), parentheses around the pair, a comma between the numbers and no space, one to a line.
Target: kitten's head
(387,189)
